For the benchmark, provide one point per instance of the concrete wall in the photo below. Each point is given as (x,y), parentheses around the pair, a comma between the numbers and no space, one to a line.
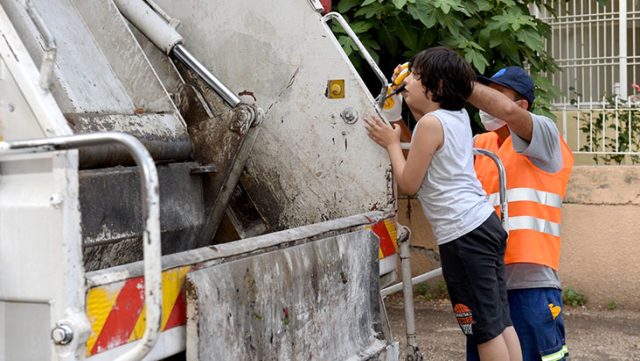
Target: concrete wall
(600,235)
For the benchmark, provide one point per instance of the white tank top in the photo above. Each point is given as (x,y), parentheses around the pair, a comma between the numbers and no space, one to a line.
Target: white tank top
(451,195)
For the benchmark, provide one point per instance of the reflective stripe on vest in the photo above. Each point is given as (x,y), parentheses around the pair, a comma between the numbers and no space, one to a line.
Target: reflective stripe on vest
(528,194)
(557,356)
(536,224)
(527,222)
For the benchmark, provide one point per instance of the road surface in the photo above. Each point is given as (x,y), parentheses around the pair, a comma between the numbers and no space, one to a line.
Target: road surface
(592,334)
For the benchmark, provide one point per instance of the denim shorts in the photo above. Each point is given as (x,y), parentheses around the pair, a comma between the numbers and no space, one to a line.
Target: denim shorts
(537,318)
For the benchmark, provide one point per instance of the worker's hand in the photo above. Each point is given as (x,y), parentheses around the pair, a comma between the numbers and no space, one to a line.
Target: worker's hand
(399,74)
(383,134)
(392,108)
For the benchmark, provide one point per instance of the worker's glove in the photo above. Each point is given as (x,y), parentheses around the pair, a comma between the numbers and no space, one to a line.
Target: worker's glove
(392,109)
(399,74)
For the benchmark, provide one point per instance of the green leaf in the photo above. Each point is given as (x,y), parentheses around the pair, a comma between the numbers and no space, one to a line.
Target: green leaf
(346,5)
(495,42)
(347,44)
(368,12)
(423,14)
(399,4)
(360,26)
(483,5)
(476,59)
(367,2)
(404,33)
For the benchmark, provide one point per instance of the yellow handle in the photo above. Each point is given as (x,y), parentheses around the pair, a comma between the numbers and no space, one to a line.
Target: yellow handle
(400,73)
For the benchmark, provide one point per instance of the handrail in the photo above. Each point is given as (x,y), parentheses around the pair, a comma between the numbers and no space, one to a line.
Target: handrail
(502,181)
(150,211)
(51,50)
(365,54)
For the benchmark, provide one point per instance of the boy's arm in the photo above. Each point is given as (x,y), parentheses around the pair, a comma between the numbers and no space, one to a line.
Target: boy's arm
(428,137)
(410,173)
(500,106)
(405,132)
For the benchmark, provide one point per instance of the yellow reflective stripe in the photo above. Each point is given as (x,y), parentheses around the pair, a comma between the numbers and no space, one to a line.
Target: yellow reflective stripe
(536,224)
(528,194)
(99,302)
(556,356)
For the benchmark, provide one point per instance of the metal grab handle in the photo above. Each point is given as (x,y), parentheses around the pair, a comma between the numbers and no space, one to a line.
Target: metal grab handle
(150,211)
(502,181)
(352,35)
(49,58)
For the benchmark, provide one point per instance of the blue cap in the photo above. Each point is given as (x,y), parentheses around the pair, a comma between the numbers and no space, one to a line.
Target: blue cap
(514,78)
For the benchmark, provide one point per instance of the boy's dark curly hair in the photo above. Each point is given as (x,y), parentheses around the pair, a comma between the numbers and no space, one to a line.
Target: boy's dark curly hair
(446,74)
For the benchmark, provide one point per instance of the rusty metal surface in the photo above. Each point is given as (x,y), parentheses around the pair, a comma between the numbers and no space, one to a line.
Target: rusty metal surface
(236,312)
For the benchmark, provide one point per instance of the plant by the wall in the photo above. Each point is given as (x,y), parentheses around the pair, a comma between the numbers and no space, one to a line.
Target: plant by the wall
(612,131)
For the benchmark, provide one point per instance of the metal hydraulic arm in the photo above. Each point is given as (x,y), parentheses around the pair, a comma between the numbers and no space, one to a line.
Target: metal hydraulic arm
(167,39)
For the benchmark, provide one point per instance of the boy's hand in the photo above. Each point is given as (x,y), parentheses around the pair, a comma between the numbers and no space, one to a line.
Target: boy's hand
(383,134)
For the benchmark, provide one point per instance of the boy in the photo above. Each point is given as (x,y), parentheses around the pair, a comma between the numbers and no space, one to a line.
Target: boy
(439,169)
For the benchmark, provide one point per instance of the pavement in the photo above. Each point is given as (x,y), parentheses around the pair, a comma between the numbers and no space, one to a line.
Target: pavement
(593,334)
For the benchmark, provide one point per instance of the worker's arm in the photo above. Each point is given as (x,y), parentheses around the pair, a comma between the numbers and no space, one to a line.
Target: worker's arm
(428,138)
(500,106)
(544,149)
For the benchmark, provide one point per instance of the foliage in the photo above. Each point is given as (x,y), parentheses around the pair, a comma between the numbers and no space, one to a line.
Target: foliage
(612,305)
(490,34)
(430,293)
(617,126)
(571,297)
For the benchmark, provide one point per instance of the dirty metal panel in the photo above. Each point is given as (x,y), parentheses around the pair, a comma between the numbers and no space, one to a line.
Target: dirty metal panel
(112,226)
(81,70)
(163,137)
(280,305)
(308,165)
(117,43)
(102,80)
(99,66)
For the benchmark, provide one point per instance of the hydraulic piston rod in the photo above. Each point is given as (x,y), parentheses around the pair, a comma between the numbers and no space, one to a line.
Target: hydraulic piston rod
(192,63)
(162,35)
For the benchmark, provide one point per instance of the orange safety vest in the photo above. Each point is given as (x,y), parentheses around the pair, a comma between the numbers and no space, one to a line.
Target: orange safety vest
(534,200)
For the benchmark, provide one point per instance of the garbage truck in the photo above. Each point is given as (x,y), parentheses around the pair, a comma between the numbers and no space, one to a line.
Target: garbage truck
(189,178)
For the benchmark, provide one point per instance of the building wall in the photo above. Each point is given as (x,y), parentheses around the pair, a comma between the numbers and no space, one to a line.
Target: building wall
(600,235)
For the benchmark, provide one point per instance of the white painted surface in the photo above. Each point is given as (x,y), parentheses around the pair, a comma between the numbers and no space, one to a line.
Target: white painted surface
(40,245)
(315,165)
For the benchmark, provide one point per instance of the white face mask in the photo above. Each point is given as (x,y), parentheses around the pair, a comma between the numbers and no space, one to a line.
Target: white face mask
(490,122)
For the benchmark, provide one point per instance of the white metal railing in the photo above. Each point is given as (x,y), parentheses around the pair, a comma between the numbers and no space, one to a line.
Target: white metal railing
(149,190)
(596,48)
(608,129)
